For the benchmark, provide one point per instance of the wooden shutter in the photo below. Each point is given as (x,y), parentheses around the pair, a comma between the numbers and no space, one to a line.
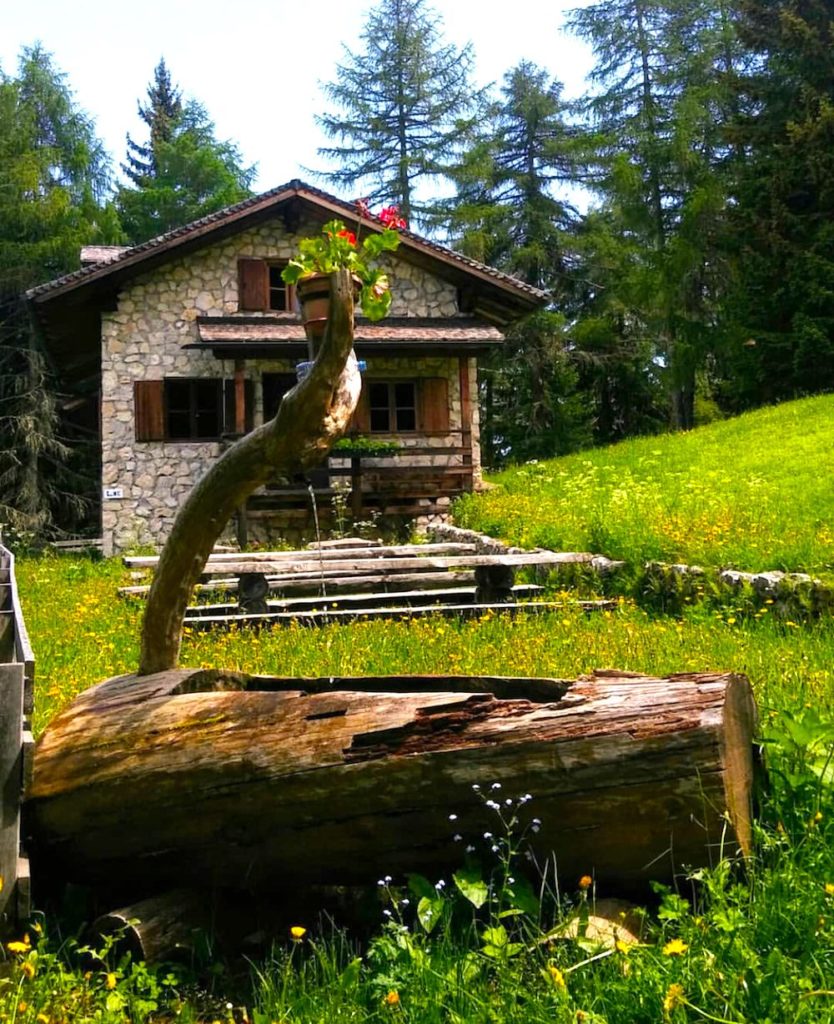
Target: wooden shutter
(253,284)
(361,421)
(149,410)
(433,401)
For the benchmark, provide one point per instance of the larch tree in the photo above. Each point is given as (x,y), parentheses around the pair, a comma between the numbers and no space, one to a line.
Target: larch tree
(403,106)
(655,157)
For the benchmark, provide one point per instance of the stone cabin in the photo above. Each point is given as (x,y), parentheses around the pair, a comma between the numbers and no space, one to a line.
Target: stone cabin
(168,350)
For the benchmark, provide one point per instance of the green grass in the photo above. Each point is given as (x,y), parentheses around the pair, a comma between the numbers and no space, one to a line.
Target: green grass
(747,946)
(755,493)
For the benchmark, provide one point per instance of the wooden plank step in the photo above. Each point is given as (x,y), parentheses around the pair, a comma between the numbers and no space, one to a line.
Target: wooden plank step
(339,579)
(360,551)
(315,602)
(311,564)
(413,612)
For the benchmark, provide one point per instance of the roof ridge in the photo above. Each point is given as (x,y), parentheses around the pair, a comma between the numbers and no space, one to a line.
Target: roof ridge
(298,187)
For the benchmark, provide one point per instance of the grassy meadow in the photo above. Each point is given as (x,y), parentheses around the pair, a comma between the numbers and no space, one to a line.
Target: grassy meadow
(734,944)
(754,492)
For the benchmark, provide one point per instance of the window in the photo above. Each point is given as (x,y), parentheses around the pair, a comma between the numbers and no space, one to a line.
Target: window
(260,287)
(193,408)
(403,406)
(189,408)
(393,406)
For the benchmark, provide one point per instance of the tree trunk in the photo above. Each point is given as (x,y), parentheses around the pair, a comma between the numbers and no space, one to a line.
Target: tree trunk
(209,778)
(310,419)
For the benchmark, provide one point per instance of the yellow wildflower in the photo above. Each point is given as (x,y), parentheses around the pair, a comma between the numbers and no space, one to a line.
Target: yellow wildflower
(675,947)
(393,998)
(42,1018)
(557,978)
(818,817)
(623,947)
(585,882)
(829,888)
(673,998)
(297,932)
(19,947)
(27,969)
(22,1006)
(110,981)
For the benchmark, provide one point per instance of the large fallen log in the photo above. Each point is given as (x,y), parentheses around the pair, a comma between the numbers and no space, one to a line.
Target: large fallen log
(211,778)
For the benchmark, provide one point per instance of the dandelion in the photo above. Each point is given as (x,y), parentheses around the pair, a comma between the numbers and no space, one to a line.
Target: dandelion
(557,978)
(585,882)
(22,947)
(27,968)
(675,947)
(623,947)
(110,981)
(393,998)
(829,888)
(673,999)
(297,932)
(42,1018)
(818,817)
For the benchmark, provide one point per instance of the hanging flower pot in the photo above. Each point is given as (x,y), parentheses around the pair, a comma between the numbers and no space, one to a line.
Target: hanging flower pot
(314,299)
(336,249)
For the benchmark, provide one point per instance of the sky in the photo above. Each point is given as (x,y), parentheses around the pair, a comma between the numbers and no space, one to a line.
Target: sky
(257,65)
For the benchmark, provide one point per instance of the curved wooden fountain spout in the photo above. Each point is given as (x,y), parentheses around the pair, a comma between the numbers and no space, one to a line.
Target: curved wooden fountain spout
(309,420)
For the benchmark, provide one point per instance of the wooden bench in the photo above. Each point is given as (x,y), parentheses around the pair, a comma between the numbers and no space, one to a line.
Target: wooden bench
(330,582)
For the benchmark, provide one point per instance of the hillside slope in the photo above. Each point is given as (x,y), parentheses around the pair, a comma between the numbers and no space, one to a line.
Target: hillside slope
(755,492)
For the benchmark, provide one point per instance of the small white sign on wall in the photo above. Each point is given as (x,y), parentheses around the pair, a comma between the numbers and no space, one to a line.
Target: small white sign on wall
(113,492)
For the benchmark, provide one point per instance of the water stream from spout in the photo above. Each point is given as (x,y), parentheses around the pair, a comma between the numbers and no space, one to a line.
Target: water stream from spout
(322,585)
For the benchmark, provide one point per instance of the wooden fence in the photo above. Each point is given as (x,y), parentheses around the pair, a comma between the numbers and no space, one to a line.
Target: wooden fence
(17,674)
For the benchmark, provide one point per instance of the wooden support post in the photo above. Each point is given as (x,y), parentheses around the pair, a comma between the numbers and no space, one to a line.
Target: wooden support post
(240,398)
(466,420)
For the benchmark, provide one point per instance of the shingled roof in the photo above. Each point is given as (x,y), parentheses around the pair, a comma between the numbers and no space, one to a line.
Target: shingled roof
(517,295)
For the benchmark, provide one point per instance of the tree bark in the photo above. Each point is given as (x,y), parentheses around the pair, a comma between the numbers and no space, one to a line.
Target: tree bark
(209,778)
(311,417)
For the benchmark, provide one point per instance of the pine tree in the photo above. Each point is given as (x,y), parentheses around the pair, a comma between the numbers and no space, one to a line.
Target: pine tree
(184,172)
(784,203)
(161,114)
(404,102)
(53,177)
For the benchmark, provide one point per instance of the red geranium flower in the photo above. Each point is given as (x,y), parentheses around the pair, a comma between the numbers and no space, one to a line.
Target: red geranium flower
(390,217)
(348,235)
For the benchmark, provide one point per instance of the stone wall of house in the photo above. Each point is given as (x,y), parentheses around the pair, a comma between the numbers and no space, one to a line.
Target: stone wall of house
(143,339)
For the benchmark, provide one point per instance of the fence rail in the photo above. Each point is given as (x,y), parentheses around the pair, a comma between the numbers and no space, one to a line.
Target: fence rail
(17,677)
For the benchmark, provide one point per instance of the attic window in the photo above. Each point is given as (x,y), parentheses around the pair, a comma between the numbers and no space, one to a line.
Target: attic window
(260,288)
